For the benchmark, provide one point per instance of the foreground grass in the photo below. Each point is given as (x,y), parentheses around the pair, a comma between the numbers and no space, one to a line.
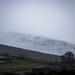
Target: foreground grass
(20,66)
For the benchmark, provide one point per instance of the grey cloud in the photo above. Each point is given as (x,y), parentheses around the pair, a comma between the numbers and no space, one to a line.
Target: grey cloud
(49,18)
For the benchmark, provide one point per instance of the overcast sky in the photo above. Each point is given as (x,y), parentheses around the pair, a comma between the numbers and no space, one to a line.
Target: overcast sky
(49,18)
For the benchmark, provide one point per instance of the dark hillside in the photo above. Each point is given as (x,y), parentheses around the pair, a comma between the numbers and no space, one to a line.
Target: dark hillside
(13,51)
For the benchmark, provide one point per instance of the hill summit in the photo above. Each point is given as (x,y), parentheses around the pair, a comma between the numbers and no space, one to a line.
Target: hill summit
(36,43)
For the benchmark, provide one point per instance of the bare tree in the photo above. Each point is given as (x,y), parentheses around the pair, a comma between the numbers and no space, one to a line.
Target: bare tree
(68,61)
(21,56)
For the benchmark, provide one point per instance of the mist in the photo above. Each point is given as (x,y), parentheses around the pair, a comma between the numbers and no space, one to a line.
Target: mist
(49,18)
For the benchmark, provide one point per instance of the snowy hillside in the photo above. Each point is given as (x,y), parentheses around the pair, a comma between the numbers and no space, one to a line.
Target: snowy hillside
(36,43)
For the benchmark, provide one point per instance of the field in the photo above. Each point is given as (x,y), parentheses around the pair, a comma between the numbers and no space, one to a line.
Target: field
(21,66)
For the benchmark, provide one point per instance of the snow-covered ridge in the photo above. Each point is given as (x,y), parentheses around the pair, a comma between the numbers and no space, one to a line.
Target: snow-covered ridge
(36,43)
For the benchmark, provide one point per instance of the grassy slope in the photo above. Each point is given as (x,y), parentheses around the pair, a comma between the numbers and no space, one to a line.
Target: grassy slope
(19,66)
